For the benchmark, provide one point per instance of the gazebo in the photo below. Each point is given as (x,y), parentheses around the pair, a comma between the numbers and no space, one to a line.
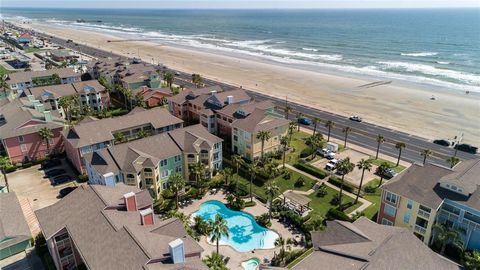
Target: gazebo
(296,201)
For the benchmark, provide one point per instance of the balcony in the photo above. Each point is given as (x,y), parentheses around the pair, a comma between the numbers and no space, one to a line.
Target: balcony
(419,229)
(424,214)
(148,174)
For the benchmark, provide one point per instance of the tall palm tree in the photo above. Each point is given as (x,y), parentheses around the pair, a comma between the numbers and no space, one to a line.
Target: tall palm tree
(315,142)
(227,174)
(446,236)
(215,261)
(263,135)
(382,170)
(66,104)
(299,116)
(218,228)
(169,77)
(288,109)
(364,165)
(197,79)
(176,183)
(291,128)
(344,167)
(271,190)
(380,140)
(4,85)
(315,121)
(201,225)
(4,164)
(329,124)
(425,153)
(400,146)
(46,134)
(284,143)
(252,170)
(346,131)
(280,242)
(453,161)
(197,170)
(237,162)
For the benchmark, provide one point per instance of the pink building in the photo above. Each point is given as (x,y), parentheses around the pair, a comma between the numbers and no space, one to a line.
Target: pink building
(19,127)
(153,96)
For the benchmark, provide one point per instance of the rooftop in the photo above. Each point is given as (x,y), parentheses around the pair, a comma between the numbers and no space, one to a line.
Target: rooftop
(259,120)
(26,76)
(13,227)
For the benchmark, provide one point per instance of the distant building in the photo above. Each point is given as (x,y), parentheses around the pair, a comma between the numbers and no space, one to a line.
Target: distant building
(365,245)
(423,195)
(24,39)
(109,228)
(15,235)
(91,135)
(20,81)
(61,55)
(19,126)
(149,162)
(153,96)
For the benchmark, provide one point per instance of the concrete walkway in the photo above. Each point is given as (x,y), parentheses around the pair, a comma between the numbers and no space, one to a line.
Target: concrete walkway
(361,208)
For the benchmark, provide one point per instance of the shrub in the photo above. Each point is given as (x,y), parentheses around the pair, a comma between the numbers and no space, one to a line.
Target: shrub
(337,214)
(344,206)
(306,152)
(370,189)
(300,182)
(10,169)
(287,175)
(82,178)
(311,170)
(322,191)
(263,220)
(249,204)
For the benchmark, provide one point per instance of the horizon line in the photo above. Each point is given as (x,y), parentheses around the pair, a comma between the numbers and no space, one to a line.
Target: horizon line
(246,8)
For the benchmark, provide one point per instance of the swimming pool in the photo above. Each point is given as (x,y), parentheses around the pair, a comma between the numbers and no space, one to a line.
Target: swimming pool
(251,264)
(245,234)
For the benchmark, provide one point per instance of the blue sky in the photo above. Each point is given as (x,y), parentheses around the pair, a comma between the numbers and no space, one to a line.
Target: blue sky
(242,4)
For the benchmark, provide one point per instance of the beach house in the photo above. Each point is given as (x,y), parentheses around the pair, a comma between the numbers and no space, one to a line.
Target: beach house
(20,81)
(19,131)
(92,134)
(101,227)
(153,96)
(424,195)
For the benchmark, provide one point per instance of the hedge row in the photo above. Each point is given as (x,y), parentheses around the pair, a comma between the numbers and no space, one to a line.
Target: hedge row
(337,214)
(310,169)
(336,181)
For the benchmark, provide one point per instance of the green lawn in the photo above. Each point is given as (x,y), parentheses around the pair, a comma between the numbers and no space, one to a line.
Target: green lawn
(379,161)
(321,205)
(31,50)
(4,71)
(374,198)
(297,143)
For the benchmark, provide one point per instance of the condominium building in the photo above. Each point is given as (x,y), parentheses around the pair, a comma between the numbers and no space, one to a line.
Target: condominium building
(111,228)
(424,195)
(20,81)
(93,134)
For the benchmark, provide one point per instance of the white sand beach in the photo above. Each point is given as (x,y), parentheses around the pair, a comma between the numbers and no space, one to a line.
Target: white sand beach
(396,105)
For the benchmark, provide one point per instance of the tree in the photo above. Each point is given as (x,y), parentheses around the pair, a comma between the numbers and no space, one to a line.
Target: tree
(4,85)
(380,140)
(142,134)
(364,165)
(169,77)
(315,121)
(227,174)
(272,191)
(56,79)
(140,100)
(280,242)
(346,131)
(218,228)
(472,260)
(4,164)
(382,170)
(299,116)
(445,236)
(197,79)
(315,142)
(329,124)
(288,109)
(197,170)
(215,261)
(119,138)
(344,167)
(399,146)
(263,135)
(200,225)
(284,143)
(291,128)
(46,134)
(176,183)
(104,82)
(425,153)
(453,161)
(66,103)
(237,161)
(252,170)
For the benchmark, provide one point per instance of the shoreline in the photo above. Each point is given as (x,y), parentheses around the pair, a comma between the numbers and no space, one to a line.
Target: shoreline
(397,105)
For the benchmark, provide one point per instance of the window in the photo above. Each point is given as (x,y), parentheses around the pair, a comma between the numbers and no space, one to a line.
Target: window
(215,156)
(163,162)
(390,197)
(23,147)
(389,210)
(149,181)
(20,139)
(409,204)
(387,222)
(235,138)
(406,218)
(216,146)
(164,174)
(178,169)
(178,158)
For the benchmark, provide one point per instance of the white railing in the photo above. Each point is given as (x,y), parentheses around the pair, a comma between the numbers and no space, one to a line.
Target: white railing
(424,214)
(419,229)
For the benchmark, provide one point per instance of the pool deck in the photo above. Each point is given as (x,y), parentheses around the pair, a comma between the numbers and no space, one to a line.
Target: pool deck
(236,258)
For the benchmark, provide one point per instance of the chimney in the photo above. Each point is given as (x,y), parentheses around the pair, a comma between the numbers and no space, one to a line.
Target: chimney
(177,252)
(130,201)
(146,217)
(213,92)
(229,99)
(47,115)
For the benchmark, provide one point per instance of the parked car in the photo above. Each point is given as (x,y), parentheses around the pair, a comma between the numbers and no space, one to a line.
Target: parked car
(55,172)
(388,174)
(304,121)
(442,142)
(356,118)
(326,153)
(331,165)
(466,148)
(57,180)
(47,164)
(65,191)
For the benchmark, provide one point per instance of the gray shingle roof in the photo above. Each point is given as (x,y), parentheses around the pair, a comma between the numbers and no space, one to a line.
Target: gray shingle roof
(191,139)
(13,227)
(194,92)
(56,91)
(259,120)
(26,76)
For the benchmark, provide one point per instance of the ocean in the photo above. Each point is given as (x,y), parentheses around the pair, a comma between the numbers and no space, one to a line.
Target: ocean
(436,47)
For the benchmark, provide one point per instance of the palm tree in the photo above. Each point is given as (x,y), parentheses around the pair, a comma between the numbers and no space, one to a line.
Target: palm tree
(453,161)
(142,134)
(346,130)
(315,142)
(399,146)
(329,124)
(291,128)
(364,165)
(380,140)
(471,260)
(218,228)
(4,164)
(299,116)
(425,154)
(271,190)
(252,170)
(315,121)
(197,79)
(176,183)
(66,104)
(56,79)
(288,109)
(382,170)
(200,225)
(227,174)
(280,242)
(344,167)
(169,77)
(446,236)
(263,135)
(119,138)
(237,162)
(140,100)
(4,85)
(46,134)
(284,143)
(197,169)
(215,261)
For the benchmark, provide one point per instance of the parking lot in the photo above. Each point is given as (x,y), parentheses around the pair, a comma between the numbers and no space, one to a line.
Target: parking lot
(33,184)
(355,176)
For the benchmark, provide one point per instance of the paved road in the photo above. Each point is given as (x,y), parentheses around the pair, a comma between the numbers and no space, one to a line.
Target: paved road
(363,134)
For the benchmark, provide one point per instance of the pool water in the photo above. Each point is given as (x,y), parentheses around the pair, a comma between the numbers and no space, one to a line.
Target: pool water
(251,264)
(245,234)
